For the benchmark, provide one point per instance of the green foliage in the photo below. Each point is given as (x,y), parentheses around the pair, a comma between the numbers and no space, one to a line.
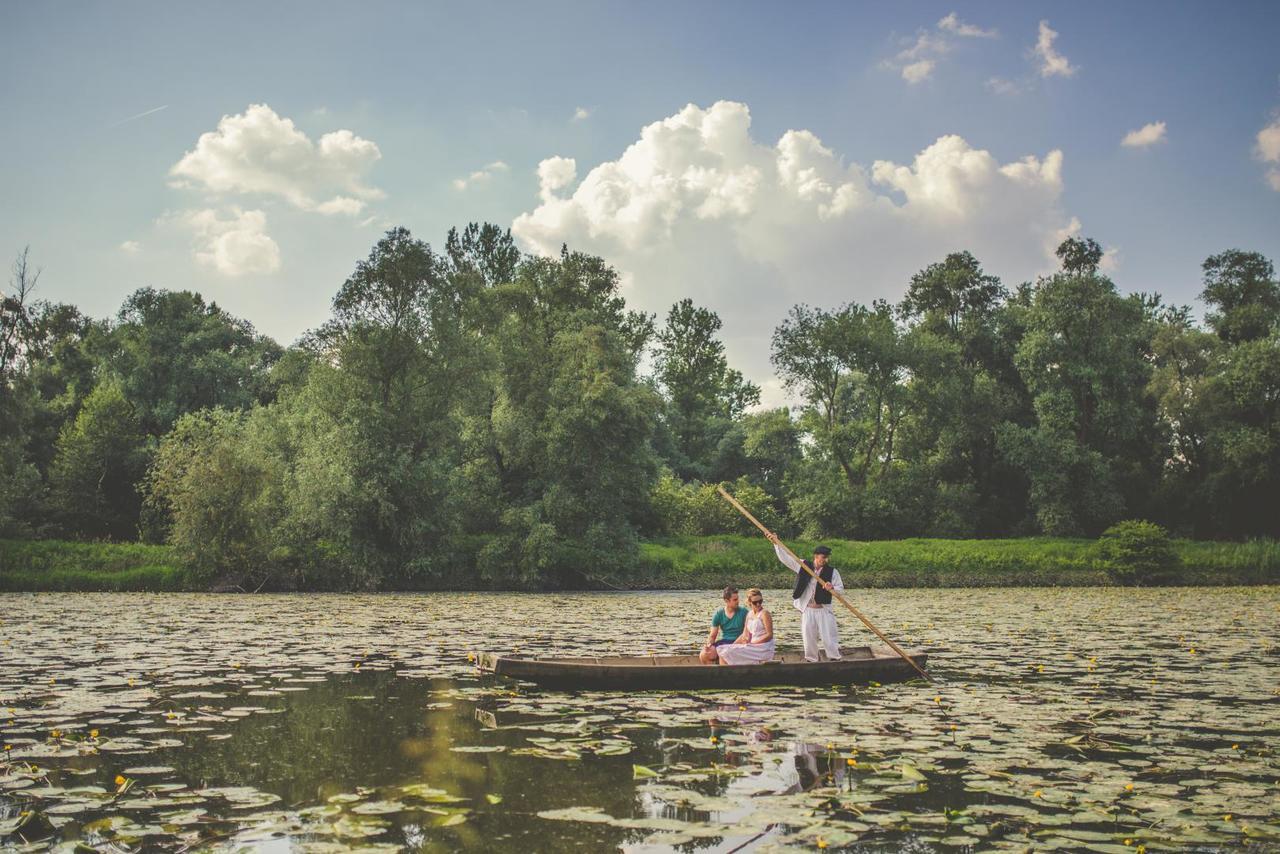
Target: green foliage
(19,483)
(1094,448)
(31,565)
(100,458)
(477,417)
(1243,295)
(708,563)
(1137,552)
(210,491)
(697,509)
(173,353)
(703,394)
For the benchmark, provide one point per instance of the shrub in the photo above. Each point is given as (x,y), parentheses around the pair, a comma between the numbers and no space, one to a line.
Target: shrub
(1137,552)
(697,509)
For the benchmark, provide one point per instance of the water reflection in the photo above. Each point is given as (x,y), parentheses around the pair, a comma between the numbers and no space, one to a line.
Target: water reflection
(1065,719)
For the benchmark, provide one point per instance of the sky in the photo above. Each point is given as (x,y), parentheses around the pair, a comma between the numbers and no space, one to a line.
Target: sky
(748,155)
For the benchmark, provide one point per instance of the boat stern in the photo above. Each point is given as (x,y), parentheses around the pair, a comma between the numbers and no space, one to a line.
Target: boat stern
(486,661)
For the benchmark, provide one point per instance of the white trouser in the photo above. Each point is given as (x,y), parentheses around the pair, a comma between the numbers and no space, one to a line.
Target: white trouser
(815,623)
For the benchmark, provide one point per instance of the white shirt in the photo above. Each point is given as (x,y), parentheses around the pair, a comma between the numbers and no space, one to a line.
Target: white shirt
(807,596)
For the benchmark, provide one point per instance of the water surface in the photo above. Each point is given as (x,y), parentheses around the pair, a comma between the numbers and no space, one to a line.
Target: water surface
(1079,719)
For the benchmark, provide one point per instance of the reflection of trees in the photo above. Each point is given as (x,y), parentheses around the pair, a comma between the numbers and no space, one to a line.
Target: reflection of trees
(326,743)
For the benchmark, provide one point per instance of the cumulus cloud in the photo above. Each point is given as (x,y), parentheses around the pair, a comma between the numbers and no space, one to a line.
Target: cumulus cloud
(481,176)
(1267,150)
(917,61)
(1052,63)
(698,207)
(581,114)
(1147,135)
(234,246)
(131,247)
(554,174)
(261,153)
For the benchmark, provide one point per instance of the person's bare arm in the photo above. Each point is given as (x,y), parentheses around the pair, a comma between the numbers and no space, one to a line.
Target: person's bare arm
(783,555)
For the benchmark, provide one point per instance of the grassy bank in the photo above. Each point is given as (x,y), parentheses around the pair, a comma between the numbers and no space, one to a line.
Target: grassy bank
(701,563)
(62,565)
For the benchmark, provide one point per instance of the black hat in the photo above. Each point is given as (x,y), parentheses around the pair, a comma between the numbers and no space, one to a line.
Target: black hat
(822,550)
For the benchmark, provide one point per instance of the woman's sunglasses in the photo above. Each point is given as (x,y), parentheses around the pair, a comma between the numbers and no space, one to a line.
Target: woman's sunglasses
(755,601)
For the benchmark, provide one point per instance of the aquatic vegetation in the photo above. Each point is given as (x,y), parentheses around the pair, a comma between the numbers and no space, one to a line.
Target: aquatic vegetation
(1084,719)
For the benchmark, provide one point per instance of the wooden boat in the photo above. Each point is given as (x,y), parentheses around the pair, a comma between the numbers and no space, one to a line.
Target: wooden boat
(860,664)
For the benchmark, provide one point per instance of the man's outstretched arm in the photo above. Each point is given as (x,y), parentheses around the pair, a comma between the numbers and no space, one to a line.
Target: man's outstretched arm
(783,555)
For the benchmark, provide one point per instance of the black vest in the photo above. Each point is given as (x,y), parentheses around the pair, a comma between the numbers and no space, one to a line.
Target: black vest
(821,596)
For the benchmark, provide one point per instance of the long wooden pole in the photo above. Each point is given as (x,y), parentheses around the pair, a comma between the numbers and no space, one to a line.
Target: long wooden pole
(843,601)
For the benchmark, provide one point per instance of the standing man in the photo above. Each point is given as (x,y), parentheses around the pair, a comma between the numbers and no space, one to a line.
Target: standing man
(813,598)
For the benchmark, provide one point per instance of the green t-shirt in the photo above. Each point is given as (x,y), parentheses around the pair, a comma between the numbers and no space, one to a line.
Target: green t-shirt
(730,627)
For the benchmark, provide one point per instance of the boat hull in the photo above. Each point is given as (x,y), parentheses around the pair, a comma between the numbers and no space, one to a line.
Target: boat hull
(860,665)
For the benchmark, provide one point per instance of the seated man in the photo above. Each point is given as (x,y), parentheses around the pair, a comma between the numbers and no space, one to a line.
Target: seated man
(726,625)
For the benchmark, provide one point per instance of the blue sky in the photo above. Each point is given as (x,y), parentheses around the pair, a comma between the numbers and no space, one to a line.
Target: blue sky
(445,91)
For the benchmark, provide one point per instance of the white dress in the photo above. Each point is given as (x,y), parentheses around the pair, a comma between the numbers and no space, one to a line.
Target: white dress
(748,653)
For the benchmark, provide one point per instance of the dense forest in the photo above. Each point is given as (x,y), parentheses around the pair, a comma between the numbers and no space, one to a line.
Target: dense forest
(480,411)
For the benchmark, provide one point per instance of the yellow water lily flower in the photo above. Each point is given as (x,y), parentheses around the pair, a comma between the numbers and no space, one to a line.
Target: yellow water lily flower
(120,781)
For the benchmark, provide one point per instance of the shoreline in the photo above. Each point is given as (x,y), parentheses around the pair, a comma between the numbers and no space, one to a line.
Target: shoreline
(696,563)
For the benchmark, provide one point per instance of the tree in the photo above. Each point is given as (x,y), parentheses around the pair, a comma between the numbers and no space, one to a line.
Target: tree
(1242,292)
(100,458)
(173,353)
(562,436)
(703,394)
(15,317)
(952,293)
(1095,449)
(1079,256)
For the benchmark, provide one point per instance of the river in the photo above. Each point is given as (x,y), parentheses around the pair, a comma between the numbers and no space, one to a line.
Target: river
(1072,719)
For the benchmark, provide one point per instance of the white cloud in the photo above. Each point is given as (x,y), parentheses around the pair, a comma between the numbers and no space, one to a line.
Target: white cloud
(480,176)
(1148,134)
(918,71)
(698,207)
(916,62)
(952,24)
(131,247)
(1268,151)
(1110,260)
(261,153)
(554,174)
(236,246)
(1052,63)
(1002,86)
(581,114)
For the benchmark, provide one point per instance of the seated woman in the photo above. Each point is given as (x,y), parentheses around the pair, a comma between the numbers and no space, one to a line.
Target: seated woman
(755,644)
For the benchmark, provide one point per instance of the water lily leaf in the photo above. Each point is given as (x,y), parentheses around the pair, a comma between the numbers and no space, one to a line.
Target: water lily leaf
(378,807)
(493,799)
(640,772)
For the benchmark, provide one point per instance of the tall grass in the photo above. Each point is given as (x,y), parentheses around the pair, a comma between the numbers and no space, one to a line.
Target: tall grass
(701,563)
(709,562)
(34,565)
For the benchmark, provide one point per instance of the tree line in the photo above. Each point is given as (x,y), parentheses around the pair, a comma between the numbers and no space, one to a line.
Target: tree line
(475,411)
